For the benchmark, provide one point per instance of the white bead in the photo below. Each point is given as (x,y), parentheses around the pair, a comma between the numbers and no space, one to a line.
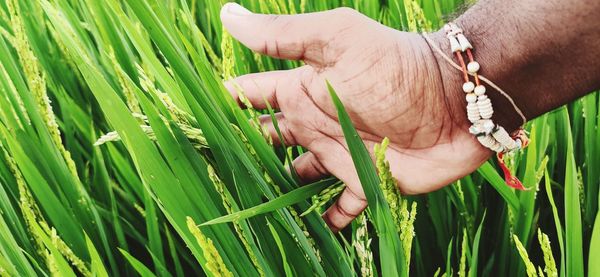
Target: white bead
(468,87)
(454,45)
(472,106)
(485,108)
(487,126)
(484,103)
(451,33)
(471,98)
(480,90)
(464,43)
(482,97)
(497,148)
(473,67)
(508,142)
(474,116)
(447,28)
(487,141)
(474,130)
(455,28)
(503,138)
(519,143)
(486,114)
(491,143)
(473,112)
(514,145)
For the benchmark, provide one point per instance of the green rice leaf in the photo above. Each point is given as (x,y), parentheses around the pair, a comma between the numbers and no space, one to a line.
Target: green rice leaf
(491,175)
(280,202)
(141,269)
(391,255)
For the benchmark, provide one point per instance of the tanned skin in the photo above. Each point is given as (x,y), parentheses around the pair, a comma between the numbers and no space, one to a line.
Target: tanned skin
(543,53)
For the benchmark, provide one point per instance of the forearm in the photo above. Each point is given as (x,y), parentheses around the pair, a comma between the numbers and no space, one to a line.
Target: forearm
(544,54)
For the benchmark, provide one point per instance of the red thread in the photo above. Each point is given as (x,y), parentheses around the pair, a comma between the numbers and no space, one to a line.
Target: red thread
(511,181)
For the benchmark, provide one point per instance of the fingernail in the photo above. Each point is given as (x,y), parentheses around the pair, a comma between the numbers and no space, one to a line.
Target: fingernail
(235,9)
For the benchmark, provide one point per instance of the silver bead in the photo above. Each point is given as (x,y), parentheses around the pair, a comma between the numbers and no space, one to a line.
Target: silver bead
(473,67)
(468,87)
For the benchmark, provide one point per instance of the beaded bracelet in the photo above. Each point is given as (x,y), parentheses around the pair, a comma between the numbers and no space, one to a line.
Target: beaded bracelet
(479,106)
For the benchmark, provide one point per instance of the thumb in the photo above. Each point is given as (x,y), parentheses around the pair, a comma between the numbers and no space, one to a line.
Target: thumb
(294,37)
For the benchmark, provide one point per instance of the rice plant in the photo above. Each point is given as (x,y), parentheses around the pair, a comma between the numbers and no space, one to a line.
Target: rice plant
(123,154)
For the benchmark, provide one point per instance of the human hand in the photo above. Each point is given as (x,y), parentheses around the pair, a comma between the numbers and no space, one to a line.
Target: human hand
(390,84)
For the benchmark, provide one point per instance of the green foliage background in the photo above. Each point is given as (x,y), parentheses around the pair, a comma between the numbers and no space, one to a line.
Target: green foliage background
(183,154)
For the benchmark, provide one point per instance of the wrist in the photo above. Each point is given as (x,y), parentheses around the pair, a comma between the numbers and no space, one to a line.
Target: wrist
(505,114)
(542,60)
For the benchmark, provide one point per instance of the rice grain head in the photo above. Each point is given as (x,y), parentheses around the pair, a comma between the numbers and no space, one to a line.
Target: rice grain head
(147,84)
(51,264)
(228,203)
(550,263)
(68,254)
(27,204)
(530,268)
(407,229)
(36,82)
(362,244)
(214,261)
(388,183)
(462,268)
(302,6)
(419,21)
(228,73)
(292,7)
(403,217)
(228,60)
(194,135)
(324,196)
(126,86)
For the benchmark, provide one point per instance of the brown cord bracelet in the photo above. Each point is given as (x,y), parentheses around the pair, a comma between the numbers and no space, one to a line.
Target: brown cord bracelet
(479,106)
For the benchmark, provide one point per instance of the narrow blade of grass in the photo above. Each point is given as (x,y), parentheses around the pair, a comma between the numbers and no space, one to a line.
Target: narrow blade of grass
(391,255)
